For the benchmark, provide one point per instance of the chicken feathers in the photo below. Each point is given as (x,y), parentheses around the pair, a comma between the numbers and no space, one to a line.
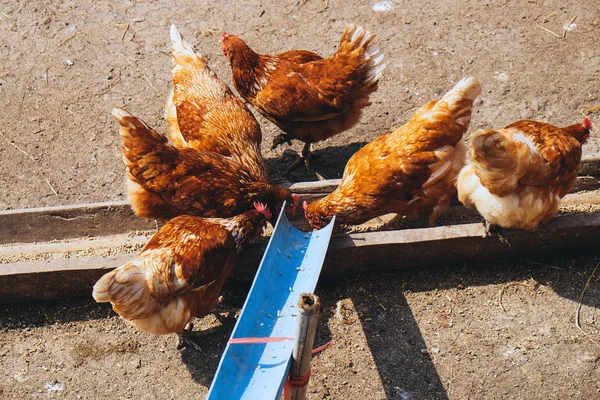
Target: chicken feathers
(410,171)
(202,112)
(166,181)
(179,273)
(308,97)
(516,176)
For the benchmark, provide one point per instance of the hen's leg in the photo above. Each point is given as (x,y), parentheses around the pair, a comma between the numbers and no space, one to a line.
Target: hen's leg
(491,229)
(494,230)
(306,155)
(188,336)
(281,139)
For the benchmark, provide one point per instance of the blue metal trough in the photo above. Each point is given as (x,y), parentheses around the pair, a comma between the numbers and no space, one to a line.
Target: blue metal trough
(257,358)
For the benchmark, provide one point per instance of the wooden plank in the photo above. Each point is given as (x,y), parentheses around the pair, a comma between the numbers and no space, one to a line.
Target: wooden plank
(66,222)
(354,253)
(590,164)
(101,219)
(364,252)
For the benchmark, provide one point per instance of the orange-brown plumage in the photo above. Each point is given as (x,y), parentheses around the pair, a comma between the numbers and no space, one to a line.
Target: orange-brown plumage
(166,181)
(516,176)
(203,113)
(180,272)
(308,97)
(410,171)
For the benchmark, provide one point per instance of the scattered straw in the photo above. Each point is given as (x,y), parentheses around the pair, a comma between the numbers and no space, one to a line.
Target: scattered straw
(124,32)
(580,303)
(547,18)
(324,8)
(298,4)
(139,70)
(66,40)
(46,76)
(17,147)
(212,30)
(51,187)
(501,291)
(588,111)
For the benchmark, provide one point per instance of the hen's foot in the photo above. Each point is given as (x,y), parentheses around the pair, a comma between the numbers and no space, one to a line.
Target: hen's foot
(187,338)
(305,157)
(494,230)
(281,139)
(491,229)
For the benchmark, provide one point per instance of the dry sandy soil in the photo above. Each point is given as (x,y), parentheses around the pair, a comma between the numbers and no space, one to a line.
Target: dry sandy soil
(430,334)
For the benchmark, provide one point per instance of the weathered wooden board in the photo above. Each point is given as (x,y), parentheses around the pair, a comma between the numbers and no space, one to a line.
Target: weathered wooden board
(101,219)
(66,222)
(354,253)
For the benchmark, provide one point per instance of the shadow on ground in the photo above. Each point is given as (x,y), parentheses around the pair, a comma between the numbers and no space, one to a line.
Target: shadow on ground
(393,335)
(329,163)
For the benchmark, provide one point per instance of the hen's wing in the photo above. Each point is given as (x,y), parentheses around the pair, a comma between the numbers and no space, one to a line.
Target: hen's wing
(299,56)
(205,115)
(197,253)
(425,144)
(525,152)
(398,165)
(205,184)
(503,159)
(323,89)
(379,171)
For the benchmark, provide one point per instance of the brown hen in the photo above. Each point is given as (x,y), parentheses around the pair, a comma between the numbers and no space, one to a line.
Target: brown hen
(516,176)
(166,181)
(202,113)
(410,171)
(180,272)
(308,97)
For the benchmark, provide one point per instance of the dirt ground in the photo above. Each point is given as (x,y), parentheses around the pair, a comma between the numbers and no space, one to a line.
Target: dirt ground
(417,334)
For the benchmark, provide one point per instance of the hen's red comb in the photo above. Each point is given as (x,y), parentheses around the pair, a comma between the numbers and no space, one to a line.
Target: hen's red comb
(296,199)
(587,123)
(305,205)
(224,34)
(263,209)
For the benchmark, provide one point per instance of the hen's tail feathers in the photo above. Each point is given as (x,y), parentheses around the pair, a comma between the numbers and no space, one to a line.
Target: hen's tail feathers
(137,137)
(127,290)
(182,52)
(459,99)
(374,64)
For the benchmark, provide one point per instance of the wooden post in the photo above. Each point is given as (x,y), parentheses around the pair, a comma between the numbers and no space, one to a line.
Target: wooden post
(308,306)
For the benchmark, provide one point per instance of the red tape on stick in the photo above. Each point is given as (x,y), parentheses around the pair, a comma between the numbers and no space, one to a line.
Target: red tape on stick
(295,382)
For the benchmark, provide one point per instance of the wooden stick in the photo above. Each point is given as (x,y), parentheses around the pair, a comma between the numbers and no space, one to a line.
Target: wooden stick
(308,306)
(67,39)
